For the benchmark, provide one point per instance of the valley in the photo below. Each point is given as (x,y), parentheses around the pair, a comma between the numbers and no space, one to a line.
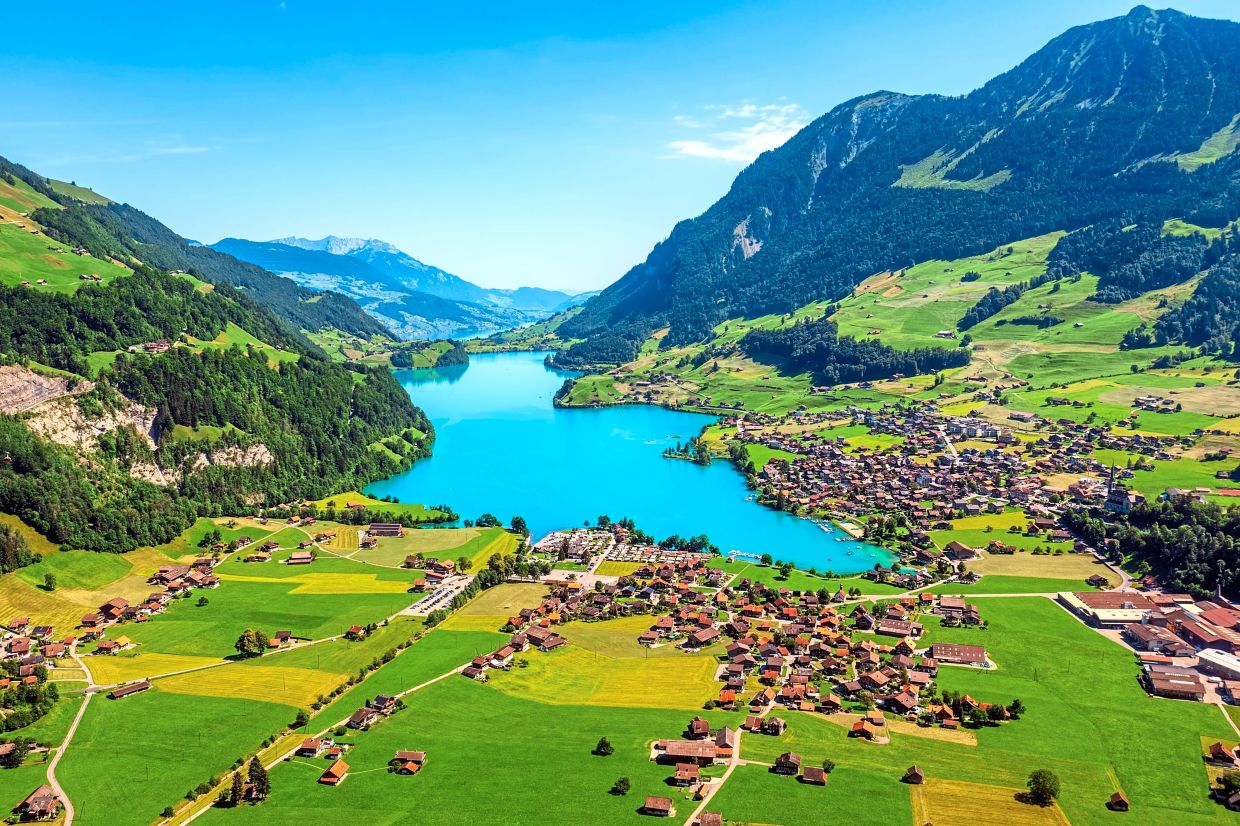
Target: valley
(899,486)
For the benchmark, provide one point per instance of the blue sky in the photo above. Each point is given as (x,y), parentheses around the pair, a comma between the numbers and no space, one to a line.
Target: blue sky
(520,143)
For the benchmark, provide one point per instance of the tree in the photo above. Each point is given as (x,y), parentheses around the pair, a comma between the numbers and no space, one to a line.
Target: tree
(1043,786)
(621,786)
(828,765)
(258,776)
(604,747)
(1229,782)
(202,600)
(519,526)
(464,563)
(785,570)
(767,559)
(1016,708)
(247,643)
(167,812)
(21,748)
(301,719)
(237,792)
(49,582)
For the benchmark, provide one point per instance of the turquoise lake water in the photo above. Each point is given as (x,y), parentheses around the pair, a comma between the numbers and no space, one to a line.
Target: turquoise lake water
(501,447)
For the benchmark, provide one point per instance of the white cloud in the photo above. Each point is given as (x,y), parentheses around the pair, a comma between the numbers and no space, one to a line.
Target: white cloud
(741,132)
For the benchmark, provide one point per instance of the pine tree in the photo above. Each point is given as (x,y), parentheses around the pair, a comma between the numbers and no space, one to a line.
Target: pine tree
(238,790)
(258,776)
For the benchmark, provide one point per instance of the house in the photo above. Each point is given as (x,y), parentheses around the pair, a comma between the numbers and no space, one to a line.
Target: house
(127,690)
(814,775)
(1118,803)
(863,728)
(503,657)
(710,819)
(355,632)
(301,558)
(92,620)
(41,804)
(698,729)
(914,776)
(787,763)
(774,726)
(335,773)
(363,718)
(311,747)
(686,774)
(658,807)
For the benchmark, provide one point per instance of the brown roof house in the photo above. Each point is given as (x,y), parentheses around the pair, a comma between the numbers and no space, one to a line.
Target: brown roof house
(658,807)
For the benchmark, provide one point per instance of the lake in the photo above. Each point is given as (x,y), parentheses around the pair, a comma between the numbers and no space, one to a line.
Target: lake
(501,447)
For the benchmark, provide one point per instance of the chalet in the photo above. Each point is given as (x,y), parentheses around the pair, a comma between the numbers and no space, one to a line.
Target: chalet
(335,773)
(367,542)
(959,552)
(914,776)
(418,757)
(19,624)
(1118,802)
(385,704)
(863,728)
(355,632)
(702,637)
(128,690)
(814,775)
(686,774)
(787,763)
(113,607)
(698,729)
(503,657)
(774,726)
(363,718)
(898,628)
(473,672)
(92,620)
(311,747)
(658,807)
(40,805)
(258,556)
(301,558)
(710,819)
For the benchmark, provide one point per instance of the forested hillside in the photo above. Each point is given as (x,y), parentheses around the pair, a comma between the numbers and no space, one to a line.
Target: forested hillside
(204,394)
(1129,118)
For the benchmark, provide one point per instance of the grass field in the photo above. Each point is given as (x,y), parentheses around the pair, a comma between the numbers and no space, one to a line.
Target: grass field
(27,257)
(797,580)
(479,739)
(478,544)
(413,509)
(234,336)
(132,757)
(959,803)
(613,568)
(574,675)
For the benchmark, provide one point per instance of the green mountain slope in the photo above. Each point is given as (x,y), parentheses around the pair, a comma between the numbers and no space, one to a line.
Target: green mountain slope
(1122,119)
(203,398)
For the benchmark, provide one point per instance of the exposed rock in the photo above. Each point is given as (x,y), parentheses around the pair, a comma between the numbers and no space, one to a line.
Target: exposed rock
(251,456)
(21,388)
(62,421)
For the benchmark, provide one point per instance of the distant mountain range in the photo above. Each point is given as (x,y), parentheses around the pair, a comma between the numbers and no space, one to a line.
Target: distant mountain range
(1131,119)
(413,299)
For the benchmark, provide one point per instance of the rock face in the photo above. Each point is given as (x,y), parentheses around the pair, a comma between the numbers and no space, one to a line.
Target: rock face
(22,389)
(61,421)
(251,456)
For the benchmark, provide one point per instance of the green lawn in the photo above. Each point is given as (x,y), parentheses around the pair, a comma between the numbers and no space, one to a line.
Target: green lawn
(131,757)
(798,580)
(482,743)
(27,257)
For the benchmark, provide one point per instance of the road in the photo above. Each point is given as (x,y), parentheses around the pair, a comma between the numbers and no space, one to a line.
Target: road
(52,780)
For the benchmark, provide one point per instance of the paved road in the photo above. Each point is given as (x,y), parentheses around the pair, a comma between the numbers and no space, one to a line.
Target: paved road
(64,743)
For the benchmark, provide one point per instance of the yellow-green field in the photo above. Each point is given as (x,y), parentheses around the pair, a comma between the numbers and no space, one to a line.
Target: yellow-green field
(957,803)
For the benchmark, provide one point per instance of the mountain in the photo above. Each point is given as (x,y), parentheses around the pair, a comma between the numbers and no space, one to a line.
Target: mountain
(145,380)
(1133,118)
(415,299)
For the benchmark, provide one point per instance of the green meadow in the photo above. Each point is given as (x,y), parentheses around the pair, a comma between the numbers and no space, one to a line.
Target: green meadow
(130,758)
